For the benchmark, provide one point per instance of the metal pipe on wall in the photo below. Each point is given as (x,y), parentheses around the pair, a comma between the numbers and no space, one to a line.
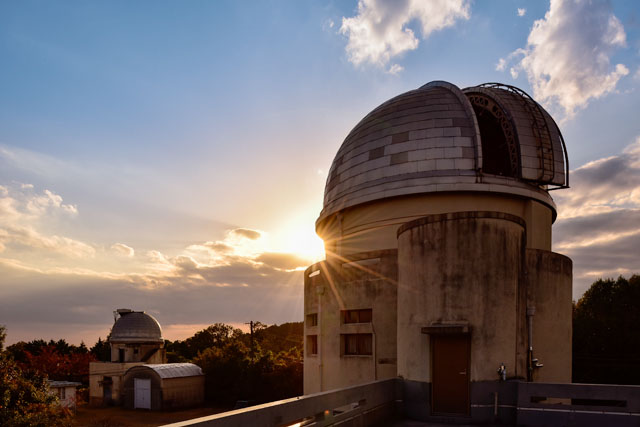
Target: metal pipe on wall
(531,311)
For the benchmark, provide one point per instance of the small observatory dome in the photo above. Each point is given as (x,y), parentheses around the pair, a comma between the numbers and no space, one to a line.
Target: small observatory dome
(438,138)
(135,327)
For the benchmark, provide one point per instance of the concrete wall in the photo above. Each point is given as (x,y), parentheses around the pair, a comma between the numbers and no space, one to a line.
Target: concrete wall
(549,279)
(152,353)
(69,393)
(374,226)
(182,392)
(365,281)
(460,268)
(484,272)
(97,372)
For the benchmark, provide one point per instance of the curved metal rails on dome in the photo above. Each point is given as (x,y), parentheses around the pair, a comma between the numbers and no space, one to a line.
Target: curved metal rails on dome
(544,131)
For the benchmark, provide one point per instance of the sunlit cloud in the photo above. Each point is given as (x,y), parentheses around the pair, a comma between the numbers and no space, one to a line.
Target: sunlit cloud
(247,233)
(599,218)
(23,211)
(380,30)
(522,11)
(603,185)
(122,249)
(568,54)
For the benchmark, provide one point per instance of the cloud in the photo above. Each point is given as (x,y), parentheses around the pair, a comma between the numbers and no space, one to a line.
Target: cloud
(122,249)
(23,211)
(604,185)
(282,261)
(599,218)
(328,24)
(380,30)
(567,58)
(278,299)
(395,69)
(30,239)
(207,282)
(522,11)
(247,233)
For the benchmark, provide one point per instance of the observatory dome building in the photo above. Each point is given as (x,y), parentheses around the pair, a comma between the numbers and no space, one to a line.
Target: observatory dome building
(437,224)
(135,336)
(135,339)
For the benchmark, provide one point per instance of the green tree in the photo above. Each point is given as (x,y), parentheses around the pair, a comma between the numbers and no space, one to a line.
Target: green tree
(25,399)
(234,373)
(606,342)
(217,335)
(101,350)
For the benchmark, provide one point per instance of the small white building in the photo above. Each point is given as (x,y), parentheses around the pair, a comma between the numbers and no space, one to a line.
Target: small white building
(163,387)
(66,392)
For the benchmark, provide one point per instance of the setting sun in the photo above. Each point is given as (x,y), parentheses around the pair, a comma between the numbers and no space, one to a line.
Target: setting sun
(297,236)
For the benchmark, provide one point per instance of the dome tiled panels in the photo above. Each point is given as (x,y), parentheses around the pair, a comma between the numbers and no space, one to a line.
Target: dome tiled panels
(425,140)
(136,327)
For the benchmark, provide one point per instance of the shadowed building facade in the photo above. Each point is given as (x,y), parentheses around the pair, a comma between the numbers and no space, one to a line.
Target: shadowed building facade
(437,227)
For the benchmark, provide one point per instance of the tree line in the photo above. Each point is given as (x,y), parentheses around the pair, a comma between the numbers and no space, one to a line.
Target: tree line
(606,333)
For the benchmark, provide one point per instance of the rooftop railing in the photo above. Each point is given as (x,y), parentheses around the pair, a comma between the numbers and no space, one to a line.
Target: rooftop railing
(367,403)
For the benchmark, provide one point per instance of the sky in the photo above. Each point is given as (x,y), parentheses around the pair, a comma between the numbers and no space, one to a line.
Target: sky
(171,156)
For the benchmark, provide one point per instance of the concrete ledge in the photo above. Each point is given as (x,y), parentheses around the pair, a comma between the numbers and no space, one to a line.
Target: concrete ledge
(455,216)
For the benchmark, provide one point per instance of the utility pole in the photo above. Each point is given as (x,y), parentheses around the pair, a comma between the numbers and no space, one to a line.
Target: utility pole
(251,329)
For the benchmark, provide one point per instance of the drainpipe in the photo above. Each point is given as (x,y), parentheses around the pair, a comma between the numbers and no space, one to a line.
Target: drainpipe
(320,292)
(375,352)
(530,313)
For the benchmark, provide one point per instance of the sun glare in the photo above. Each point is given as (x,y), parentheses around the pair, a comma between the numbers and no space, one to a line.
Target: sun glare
(297,236)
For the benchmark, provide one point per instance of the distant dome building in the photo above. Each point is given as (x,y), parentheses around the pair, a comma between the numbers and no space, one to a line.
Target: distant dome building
(437,228)
(135,336)
(135,339)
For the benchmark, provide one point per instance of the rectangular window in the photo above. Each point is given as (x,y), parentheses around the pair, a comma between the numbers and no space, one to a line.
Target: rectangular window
(357,316)
(62,393)
(357,344)
(312,319)
(312,345)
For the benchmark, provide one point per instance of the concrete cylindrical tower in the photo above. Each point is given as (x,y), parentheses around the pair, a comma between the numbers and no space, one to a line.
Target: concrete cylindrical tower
(446,281)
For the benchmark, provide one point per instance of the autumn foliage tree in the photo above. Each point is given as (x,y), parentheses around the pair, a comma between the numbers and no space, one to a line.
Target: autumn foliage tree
(57,360)
(24,396)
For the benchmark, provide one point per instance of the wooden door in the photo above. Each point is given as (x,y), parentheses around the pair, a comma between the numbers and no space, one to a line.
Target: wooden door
(450,374)
(142,393)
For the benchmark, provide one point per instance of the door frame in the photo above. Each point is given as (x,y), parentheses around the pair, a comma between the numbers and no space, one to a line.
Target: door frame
(436,331)
(136,381)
